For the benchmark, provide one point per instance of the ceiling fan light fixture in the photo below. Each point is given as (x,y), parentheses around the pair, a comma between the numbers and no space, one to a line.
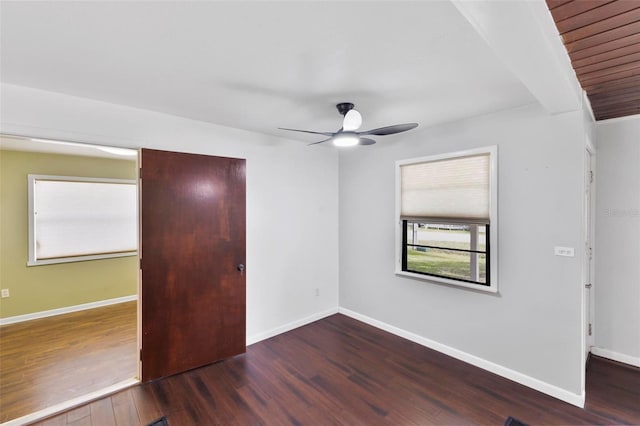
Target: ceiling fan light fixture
(344,140)
(349,135)
(352,120)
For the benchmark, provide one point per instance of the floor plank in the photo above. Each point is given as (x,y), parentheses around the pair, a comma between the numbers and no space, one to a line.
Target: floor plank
(56,421)
(51,360)
(78,414)
(102,412)
(341,371)
(124,409)
(146,404)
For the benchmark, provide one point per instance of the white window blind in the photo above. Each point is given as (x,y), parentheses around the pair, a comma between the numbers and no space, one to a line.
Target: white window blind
(75,218)
(449,190)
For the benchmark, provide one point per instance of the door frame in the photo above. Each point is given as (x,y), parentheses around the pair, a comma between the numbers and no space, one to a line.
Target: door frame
(590,247)
(139,306)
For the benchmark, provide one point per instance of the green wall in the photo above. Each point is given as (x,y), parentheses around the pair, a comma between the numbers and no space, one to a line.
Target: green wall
(44,287)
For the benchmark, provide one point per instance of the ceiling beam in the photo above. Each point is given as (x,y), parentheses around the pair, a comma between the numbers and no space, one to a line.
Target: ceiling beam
(523,35)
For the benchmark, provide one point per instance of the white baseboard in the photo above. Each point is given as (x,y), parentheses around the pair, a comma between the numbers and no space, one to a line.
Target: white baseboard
(66,310)
(72,403)
(539,385)
(255,338)
(616,356)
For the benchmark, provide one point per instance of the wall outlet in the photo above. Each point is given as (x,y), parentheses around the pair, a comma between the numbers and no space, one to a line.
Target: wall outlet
(317,292)
(4,292)
(564,251)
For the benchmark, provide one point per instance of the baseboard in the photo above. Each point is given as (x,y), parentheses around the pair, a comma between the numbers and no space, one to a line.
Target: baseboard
(616,356)
(255,338)
(72,403)
(66,310)
(539,385)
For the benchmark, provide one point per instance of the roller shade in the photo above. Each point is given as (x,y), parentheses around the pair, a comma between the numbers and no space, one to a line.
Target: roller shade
(450,190)
(75,218)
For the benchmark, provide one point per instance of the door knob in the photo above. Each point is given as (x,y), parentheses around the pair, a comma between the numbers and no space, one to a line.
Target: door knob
(241,267)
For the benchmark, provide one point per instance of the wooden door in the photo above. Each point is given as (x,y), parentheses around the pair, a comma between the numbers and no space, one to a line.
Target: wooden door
(192,247)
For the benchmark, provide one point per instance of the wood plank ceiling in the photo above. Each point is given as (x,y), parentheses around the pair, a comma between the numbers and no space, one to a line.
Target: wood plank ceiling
(602,38)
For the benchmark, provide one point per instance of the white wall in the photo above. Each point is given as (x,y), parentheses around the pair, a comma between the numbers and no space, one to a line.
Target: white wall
(532,330)
(292,193)
(617,284)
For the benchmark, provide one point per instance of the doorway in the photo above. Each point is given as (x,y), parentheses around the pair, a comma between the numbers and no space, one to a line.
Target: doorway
(191,310)
(69,328)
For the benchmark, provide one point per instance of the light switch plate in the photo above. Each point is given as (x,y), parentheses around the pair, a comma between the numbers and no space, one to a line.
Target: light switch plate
(564,251)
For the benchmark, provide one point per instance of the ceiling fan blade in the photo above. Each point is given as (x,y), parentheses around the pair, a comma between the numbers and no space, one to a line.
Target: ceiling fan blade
(366,141)
(307,131)
(316,143)
(390,130)
(352,121)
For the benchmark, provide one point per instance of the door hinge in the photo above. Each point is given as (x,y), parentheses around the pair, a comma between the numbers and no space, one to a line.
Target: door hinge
(590,176)
(589,334)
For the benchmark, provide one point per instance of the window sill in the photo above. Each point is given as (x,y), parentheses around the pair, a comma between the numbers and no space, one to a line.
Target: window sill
(487,289)
(79,258)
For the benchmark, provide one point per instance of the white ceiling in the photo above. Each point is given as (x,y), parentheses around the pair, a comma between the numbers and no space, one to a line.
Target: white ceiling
(262,65)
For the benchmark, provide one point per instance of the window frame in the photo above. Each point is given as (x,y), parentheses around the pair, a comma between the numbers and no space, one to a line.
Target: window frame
(406,244)
(32,257)
(492,239)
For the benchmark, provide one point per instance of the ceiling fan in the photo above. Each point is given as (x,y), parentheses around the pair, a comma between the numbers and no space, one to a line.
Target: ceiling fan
(348,134)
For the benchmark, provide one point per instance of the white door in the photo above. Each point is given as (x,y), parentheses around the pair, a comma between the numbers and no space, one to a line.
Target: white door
(588,266)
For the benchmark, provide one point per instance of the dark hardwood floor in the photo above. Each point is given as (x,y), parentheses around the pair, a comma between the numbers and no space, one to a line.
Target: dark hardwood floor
(341,371)
(51,360)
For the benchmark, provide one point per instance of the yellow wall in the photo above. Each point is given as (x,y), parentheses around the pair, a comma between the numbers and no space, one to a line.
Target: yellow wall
(44,287)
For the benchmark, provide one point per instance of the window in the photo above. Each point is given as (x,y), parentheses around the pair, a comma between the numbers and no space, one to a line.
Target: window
(447,218)
(73,219)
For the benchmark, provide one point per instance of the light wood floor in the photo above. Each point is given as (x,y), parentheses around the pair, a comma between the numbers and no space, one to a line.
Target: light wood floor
(51,360)
(340,371)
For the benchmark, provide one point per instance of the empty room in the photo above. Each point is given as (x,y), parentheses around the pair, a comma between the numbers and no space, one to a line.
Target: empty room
(320,212)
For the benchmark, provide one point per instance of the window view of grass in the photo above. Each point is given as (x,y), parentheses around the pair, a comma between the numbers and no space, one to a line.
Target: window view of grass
(444,263)
(436,259)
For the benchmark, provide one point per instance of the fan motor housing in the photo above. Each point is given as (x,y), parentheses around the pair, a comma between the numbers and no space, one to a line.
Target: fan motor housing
(344,107)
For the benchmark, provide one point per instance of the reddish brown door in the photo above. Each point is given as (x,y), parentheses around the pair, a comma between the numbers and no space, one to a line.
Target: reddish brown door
(193,246)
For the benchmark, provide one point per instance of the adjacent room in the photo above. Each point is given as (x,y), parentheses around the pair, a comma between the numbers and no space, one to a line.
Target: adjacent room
(358,212)
(71,325)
